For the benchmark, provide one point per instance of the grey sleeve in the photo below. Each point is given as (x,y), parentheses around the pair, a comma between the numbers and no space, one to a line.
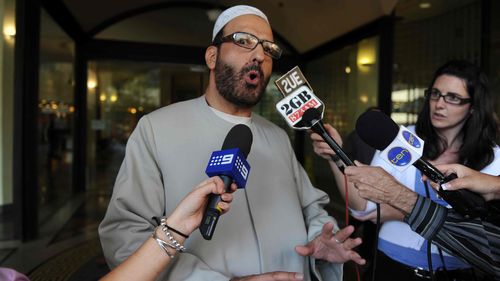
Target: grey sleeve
(138,195)
(313,202)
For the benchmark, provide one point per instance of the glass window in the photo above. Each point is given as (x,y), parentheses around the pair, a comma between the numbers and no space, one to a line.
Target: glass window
(55,118)
(119,94)
(7,42)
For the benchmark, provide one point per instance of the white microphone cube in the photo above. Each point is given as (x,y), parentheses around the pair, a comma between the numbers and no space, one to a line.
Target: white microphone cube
(404,150)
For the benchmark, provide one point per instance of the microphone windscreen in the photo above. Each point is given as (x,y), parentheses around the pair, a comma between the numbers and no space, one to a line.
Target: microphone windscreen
(240,137)
(376,129)
(310,116)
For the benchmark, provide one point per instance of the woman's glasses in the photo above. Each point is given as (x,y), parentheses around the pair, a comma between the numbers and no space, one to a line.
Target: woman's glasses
(451,98)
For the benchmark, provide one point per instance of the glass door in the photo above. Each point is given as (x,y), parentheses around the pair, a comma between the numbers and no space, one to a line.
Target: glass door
(119,94)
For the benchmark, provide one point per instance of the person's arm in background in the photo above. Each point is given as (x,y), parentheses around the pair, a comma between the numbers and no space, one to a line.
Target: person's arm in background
(150,260)
(474,240)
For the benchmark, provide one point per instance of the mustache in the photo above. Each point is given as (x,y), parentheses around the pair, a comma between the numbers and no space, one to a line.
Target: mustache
(252,67)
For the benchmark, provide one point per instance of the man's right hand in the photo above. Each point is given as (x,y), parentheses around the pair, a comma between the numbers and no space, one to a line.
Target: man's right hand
(272,276)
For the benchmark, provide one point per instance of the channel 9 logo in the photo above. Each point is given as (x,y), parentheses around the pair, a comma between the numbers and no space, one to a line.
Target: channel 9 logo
(229,162)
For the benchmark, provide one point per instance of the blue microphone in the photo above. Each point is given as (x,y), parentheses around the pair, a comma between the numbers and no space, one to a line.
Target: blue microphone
(230,165)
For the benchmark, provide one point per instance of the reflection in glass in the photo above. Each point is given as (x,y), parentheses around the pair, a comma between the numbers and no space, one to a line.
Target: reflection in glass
(347,82)
(55,118)
(119,94)
(7,41)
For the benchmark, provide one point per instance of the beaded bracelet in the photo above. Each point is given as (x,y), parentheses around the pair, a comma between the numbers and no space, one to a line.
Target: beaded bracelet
(164,245)
(164,224)
(175,243)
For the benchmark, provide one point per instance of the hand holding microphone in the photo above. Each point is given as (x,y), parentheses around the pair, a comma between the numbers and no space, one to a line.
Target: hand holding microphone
(488,186)
(149,260)
(230,165)
(312,119)
(188,214)
(320,147)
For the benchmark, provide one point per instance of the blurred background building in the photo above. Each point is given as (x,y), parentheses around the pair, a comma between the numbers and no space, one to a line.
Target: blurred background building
(76,76)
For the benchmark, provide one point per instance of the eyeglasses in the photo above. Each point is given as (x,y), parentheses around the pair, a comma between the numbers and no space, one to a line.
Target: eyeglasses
(250,41)
(451,98)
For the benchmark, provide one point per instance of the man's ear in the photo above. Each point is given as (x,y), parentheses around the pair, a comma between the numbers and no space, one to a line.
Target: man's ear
(211,57)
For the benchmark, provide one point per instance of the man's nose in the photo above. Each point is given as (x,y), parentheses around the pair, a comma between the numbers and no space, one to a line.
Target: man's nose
(258,53)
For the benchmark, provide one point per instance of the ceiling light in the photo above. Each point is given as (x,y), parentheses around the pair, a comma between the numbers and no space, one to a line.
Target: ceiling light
(213,14)
(424,5)
(91,84)
(10,31)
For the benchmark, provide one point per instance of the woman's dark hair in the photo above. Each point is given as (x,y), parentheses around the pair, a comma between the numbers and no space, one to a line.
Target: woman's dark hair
(480,130)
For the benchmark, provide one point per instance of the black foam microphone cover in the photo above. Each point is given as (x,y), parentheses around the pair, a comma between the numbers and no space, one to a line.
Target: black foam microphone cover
(376,129)
(311,116)
(240,137)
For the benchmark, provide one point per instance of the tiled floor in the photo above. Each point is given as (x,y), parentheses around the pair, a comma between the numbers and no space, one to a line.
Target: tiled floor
(74,252)
(68,246)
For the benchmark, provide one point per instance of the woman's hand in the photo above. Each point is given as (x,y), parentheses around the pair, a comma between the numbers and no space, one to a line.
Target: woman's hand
(486,185)
(188,214)
(321,148)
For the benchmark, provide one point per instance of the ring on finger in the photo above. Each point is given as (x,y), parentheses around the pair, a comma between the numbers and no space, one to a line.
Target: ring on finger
(337,240)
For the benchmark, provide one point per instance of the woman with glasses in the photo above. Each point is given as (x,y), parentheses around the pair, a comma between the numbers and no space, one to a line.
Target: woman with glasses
(458,125)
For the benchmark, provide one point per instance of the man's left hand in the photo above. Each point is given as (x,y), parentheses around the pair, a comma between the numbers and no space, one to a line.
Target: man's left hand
(336,248)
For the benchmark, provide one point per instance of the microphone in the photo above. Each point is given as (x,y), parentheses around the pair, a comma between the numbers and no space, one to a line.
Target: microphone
(312,119)
(297,98)
(302,110)
(401,148)
(230,165)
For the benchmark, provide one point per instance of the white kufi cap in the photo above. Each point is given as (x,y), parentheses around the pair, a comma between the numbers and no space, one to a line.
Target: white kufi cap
(233,12)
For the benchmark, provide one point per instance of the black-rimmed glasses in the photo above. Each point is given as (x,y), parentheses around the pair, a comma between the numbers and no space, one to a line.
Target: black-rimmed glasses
(451,98)
(250,41)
